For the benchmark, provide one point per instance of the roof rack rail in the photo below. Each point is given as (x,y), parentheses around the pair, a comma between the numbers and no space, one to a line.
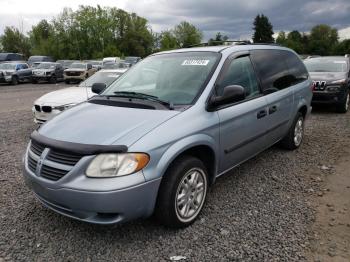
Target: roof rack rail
(232,42)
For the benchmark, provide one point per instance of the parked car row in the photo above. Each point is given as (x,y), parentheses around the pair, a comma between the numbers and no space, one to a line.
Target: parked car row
(43,68)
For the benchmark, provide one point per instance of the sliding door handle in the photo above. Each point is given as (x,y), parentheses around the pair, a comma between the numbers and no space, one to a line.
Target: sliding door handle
(261,114)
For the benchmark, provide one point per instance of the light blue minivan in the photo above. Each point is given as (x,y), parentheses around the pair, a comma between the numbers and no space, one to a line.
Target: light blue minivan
(156,139)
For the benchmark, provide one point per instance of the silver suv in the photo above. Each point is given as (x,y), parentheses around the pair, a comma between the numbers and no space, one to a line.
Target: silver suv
(156,139)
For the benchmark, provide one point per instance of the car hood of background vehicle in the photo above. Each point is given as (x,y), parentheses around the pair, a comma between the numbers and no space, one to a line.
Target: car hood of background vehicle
(327,76)
(104,125)
(70,95)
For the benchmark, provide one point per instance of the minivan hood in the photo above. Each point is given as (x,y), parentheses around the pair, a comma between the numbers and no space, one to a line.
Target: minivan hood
(327,76)
(89,123)
(70,95)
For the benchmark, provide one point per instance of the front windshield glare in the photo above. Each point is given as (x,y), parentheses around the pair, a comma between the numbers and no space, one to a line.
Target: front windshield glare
(177,78)
(326,65)
(78,65)
(100,77)
(46,66)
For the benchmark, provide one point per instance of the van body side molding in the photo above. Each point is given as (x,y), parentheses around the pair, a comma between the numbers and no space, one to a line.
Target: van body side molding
(82,149)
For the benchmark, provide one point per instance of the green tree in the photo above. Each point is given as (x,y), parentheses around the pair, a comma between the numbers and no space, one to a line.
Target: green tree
(168,41)
(41,38)
(15,42)
(342,48)
(187,34)
(323,40)
(218,40)
(281,38)
(263,30)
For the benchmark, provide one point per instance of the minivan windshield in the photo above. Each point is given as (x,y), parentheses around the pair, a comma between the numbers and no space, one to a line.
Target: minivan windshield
(326,65)
(46,66)
(104,77)
(7,66)
(176,78)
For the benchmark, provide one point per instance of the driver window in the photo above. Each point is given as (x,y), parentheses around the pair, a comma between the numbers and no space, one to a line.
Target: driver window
(240,72)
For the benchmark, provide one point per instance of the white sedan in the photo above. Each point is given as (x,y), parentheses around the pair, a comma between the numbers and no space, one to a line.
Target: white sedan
(53,103)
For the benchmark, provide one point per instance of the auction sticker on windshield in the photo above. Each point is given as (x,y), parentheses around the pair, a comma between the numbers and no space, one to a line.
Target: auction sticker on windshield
(199,62)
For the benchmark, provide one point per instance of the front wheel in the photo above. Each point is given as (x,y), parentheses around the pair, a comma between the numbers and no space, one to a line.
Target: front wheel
(182,192)
(343,105)
(295,134)
(14,80)
(53,80)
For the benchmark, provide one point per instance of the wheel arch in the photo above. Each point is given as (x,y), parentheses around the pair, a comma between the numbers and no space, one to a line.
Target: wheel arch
(201,146)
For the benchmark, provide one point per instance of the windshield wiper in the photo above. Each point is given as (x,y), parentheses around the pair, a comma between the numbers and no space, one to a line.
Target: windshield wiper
(143,96)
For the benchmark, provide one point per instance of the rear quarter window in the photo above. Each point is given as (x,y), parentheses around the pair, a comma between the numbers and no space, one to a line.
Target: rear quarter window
(278,69)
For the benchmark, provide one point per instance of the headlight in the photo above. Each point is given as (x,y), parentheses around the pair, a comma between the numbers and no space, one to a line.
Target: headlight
(8,73)
(340,81)
(112,165)
(64,107)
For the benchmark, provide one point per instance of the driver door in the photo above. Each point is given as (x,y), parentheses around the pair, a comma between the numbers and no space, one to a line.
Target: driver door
(242,124)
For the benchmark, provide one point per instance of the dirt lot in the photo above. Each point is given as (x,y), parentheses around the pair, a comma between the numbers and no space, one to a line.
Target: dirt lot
(280,205)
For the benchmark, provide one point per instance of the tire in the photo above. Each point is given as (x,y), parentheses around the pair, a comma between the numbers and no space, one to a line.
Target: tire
(67,82)
(34,81)
(53,79)
(343,105)
(176,184)
(295,134)
(86,76)
(14,80)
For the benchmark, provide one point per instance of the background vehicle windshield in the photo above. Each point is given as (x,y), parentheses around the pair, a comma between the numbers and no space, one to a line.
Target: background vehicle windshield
(177,78)
(46,66)
(78,65)
(101,77)
(117,65)
(326,65)
(7,66)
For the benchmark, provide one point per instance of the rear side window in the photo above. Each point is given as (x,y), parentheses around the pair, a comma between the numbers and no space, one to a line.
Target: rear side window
(278,69)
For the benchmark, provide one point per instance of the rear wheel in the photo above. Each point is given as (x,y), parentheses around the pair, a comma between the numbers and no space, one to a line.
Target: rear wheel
(295,135)
(343,106)
(67,82)
(14,80)
(182,193)
(34,81)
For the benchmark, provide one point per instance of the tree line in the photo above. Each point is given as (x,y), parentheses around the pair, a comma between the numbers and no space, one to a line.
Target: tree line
(96,32)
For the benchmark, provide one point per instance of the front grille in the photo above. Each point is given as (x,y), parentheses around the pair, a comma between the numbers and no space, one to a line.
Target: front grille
(64,158)
(36,148)
(32,164)
(46,109)
(73,73)
(48,170)
(319,85)
(37,108)
(52,173)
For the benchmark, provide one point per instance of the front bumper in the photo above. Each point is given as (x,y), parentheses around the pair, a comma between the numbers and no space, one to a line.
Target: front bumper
(326,97)
(41,77)
(5,79)
(80,77)
(94,206)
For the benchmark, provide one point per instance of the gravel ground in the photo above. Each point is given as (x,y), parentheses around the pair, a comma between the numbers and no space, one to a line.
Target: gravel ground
(261,211)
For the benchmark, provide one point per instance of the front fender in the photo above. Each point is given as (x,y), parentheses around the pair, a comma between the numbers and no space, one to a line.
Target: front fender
(159,168)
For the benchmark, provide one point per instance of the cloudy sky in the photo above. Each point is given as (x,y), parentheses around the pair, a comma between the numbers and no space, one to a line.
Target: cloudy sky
(231,17)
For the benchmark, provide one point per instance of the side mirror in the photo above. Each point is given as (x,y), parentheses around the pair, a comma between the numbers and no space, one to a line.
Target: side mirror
(98,88)
(231,94)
